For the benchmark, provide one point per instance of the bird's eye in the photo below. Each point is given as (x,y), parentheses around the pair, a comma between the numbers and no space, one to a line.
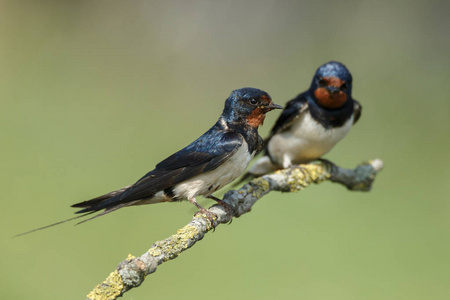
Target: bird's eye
(253,101)
(344,87)
(322,82)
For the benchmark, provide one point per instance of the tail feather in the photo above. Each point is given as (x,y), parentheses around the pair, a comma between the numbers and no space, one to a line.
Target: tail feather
(91,206)
(54,224)
(108,210)
(105,203)
(100,199)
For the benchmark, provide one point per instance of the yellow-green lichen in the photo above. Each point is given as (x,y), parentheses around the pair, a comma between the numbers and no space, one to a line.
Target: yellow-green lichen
(130,257)
(262,187)
(209,225)
(111,288)
(304,175)
(155,251)
(318,173)
(174,245)
(187,232)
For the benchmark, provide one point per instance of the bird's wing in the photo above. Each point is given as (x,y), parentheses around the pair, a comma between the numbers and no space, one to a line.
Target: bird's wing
(293,110)
(356,111)
(203,155)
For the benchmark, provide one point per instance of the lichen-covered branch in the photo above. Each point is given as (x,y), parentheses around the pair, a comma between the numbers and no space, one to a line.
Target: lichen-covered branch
(131,272)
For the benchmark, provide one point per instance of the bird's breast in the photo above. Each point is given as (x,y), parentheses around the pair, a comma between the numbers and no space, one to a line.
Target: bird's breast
(306,140)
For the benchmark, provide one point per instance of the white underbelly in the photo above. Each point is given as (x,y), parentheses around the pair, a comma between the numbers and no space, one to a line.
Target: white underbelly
(305,141)
(207,183)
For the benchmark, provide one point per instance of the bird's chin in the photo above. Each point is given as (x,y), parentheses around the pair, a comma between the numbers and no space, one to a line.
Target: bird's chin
(330,100)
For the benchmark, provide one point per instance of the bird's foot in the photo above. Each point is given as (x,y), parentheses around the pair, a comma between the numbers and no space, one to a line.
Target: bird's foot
(299,167)
(209,216)
(228,208)
(328,164)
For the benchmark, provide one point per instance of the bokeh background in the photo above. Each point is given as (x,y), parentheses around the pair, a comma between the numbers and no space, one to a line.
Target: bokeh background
(94,93)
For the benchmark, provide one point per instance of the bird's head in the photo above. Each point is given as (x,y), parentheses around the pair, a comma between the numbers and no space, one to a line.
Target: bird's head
(332,85)
(248,105)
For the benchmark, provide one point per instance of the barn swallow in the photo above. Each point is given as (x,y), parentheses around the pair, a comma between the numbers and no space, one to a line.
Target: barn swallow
(209,163)
(312,123)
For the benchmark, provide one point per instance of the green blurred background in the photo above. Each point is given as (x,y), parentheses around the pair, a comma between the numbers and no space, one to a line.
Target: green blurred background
(94,93)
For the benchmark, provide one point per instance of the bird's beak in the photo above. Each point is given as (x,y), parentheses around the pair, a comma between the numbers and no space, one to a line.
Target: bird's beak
(333,89)
(273,106)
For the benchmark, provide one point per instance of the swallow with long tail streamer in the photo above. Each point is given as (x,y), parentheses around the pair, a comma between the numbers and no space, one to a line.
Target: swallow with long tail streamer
(209,163)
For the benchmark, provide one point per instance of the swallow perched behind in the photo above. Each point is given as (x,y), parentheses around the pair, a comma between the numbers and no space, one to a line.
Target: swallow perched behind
(312,123)
(209,163)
